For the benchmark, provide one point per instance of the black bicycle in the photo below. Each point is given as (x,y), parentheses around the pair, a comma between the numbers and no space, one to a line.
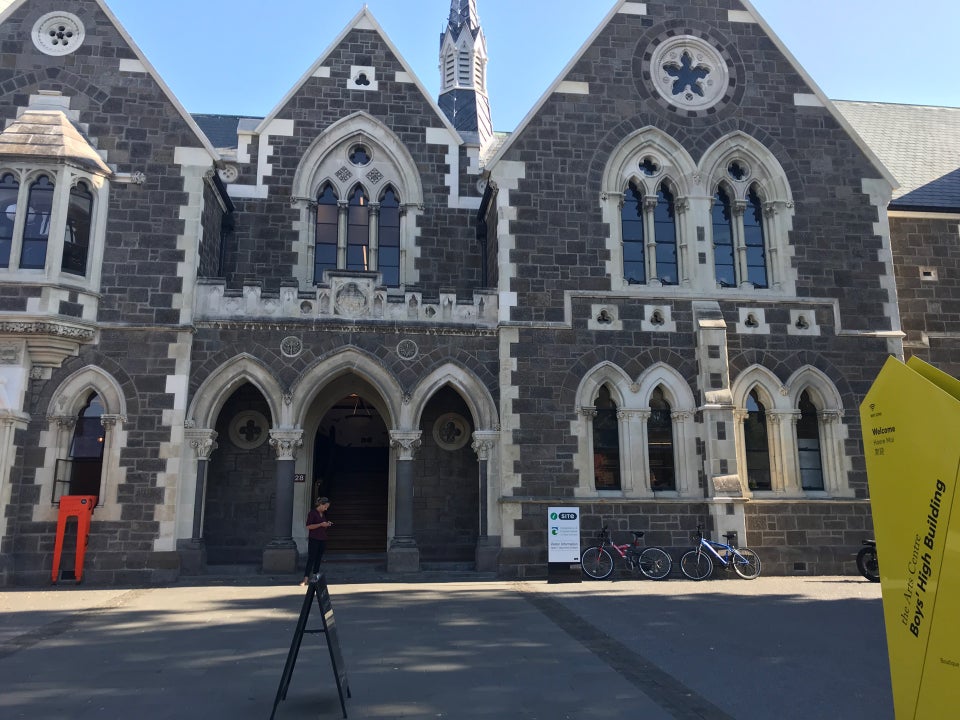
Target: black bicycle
(867,562)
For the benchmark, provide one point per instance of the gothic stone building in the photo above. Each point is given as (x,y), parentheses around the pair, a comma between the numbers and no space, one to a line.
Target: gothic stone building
(661,300)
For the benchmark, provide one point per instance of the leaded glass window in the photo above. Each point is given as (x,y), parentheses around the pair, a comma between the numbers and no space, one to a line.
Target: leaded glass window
(634,240)
(606,442)
(388,236)
(756,444)
(660,443)
(36,230)
(724,258)
(808,445)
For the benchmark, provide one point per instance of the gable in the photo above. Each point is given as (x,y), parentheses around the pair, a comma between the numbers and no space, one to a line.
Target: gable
(635,37)
(359,76)
(112,61)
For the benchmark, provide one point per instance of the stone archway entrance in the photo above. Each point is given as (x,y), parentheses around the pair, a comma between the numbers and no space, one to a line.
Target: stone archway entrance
(351,466)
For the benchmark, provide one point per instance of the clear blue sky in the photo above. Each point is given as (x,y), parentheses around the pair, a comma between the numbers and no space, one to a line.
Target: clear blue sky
(242,56)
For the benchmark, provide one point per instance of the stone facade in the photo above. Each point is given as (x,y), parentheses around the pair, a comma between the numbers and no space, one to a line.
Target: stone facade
(444,330)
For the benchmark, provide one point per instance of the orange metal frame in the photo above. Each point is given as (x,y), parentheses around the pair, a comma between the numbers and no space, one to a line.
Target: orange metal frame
(82,507)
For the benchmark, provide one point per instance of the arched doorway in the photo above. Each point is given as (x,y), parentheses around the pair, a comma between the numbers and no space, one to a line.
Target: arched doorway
(241,482)
(351,466)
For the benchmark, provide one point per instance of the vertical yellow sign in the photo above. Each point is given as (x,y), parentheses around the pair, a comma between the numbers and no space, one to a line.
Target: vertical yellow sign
(911,422)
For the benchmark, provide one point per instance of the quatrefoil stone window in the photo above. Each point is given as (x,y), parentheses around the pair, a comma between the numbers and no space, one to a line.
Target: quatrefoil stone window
(689,73)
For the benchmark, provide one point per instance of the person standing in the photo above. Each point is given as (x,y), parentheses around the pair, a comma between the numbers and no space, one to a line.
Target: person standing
(317,525)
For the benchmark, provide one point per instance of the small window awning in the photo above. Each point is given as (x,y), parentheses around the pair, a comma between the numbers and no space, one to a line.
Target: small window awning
(48,135)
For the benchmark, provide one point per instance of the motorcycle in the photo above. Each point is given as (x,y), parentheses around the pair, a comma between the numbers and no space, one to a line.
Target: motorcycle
(867,562)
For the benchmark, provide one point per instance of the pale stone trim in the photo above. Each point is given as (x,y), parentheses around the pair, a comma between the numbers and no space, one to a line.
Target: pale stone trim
(740,16)
(572,87)
(222,382)
(132,66)
(633,8)
(322,71)
(807,100)
(442,136)
(880,193)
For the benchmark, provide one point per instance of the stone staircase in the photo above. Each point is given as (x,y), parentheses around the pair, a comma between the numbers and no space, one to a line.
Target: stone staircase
(358,509)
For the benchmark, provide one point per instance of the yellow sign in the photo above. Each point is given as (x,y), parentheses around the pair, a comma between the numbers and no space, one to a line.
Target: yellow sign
(911,423)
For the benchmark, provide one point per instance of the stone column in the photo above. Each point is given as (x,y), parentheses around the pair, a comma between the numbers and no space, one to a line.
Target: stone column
(280,555)
(193,551)
(488,547)
(403,554)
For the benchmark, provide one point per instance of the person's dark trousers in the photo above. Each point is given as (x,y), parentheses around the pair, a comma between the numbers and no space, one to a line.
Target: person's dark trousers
(315,549)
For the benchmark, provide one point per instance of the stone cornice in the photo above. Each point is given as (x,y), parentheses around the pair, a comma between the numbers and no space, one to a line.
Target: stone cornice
(49,328)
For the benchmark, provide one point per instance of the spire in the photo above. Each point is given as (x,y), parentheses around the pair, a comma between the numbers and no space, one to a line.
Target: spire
(463,73)
(463,14)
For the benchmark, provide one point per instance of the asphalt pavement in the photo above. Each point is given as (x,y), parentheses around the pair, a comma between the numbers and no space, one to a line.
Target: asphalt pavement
(449,645)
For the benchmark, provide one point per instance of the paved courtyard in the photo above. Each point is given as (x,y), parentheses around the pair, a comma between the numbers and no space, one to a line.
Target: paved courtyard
(443,646)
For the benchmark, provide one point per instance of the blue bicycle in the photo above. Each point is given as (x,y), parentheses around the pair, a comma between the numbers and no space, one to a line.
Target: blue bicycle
(697,564)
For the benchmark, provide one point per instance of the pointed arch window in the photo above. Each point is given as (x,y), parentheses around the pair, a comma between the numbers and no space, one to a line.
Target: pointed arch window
(754,240)
(649,236)
(808,445)
(665,233)
(634,240)
(325,255)
(358,230)
(739,240)
(724,259)
(9,189)
(660,443)
(86,449)
(388,239)
(606,442)
(756,444)
(36,230)
(76,236)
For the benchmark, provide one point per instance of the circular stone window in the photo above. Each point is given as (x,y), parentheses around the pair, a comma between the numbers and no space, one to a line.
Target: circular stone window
(58,33)
(229,173)
(451,431)
(291,346)
(249,430)
(689,73)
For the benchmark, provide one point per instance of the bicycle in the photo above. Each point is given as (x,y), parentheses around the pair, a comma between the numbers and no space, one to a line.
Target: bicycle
(697,564)
(597,560)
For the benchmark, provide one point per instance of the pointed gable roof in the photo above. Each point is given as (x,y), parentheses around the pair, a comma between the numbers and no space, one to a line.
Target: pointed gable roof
(46,135)
(8,7)
(363,20)
(618,6)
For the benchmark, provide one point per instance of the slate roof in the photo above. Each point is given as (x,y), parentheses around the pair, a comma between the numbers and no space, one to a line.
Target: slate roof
(221,130)
(919,144)
(44,134)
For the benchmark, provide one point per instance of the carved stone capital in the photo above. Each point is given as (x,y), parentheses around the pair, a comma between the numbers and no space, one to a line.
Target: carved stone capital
(405,442)
(588,411)
(286,443)
(203,441)
(483,442)
(64,422)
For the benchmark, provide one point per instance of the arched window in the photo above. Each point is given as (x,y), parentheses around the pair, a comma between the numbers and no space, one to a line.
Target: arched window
(808,445)
(606,442)
(325,255)
(724,259)
(754,239)
(358,230)
(36,230)
(9,189)
(665,232)
(634,241)
(388,239)
(756,444)
(76,236)
(86,449)
(660,443)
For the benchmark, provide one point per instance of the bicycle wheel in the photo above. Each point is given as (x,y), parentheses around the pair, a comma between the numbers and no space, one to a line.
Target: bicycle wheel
(655,563)
(867,564)
(696,565)
(597,563)
(746,563)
